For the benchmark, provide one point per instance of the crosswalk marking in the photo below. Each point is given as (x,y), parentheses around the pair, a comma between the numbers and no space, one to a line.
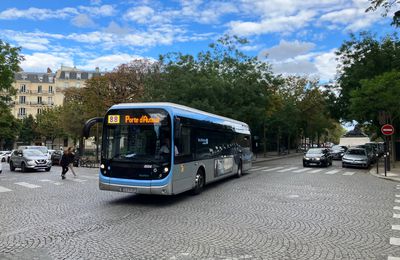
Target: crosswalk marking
(397,201)
(45,180)
(393,258)
(397,196)
(396,207)
(288,169)
(332,172)
(348,173)
(90,177)
(395,241)
(302,170)
(57,183)
(396,215)
(258,169)
(396,227)
(27,185)
(315,171)
(3,189)
(78,180)
(273,169)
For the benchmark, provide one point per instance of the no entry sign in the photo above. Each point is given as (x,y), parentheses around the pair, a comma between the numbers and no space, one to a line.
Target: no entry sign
(387,129)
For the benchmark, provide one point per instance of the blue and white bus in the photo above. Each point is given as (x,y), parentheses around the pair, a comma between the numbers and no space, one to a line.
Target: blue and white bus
(165,148)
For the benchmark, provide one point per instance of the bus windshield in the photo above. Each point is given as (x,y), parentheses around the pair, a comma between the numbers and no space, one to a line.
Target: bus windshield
(136,135)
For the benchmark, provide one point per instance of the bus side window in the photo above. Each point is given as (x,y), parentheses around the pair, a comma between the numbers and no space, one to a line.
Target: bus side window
(183,143)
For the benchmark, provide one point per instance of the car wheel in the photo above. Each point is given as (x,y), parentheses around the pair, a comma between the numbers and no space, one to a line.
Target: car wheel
(48,169)
(23,167)
(240,170)
(343,165)
(12,167)
(199,182)
(305,164)
(3,160)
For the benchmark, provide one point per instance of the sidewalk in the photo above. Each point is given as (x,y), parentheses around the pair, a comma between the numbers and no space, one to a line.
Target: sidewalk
(393,174)
(270,156)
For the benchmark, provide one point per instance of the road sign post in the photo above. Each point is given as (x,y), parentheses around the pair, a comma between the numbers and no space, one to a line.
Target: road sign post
(387,130)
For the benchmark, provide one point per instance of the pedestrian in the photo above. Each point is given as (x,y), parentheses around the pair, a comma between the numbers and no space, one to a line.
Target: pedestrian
(71,158)
(64,164)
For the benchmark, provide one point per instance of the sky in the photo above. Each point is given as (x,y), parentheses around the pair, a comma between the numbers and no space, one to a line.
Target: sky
(295,36)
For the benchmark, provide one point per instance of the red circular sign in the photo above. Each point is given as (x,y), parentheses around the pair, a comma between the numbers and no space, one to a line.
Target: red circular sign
(387,129)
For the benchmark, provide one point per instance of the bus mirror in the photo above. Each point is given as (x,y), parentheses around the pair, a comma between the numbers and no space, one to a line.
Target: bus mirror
(177,128)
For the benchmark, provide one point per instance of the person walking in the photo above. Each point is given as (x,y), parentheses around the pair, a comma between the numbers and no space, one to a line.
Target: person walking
(64,164)
(71,158)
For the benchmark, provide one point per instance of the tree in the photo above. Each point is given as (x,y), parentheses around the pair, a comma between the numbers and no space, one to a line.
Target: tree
(8,127)
(27,133)
(49,124)
(9,65)
(387,5)
(363,58)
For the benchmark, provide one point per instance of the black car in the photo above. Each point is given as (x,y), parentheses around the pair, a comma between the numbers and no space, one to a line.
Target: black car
(317,156)
(337,152)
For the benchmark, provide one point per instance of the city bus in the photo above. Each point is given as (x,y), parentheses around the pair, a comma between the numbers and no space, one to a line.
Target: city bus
(167,149)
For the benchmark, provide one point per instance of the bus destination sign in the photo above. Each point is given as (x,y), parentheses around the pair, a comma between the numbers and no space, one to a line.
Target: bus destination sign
(133,120)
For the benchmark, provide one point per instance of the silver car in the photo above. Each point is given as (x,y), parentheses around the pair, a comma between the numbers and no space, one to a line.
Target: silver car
(29,159)
(357,157)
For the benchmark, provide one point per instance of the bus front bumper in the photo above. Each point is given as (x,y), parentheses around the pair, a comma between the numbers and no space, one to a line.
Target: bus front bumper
(153,190)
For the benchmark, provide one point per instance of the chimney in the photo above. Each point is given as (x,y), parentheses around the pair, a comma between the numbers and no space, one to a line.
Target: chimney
(49,71)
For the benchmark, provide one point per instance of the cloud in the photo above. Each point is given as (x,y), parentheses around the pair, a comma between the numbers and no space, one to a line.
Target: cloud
(287,50)
(37,13)
(104,10)
(272,25)
(83,21)
(326,64)
(108,62)
(37,62)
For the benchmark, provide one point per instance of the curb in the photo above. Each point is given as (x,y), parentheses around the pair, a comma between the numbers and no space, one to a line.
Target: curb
(275,158)
(373,173)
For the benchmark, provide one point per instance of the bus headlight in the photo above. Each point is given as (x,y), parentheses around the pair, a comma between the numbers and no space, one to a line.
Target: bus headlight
(102,166)
(166,169)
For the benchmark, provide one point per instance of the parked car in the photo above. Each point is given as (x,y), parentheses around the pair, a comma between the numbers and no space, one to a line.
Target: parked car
(357,157)
(1,168)
(29,159)
(41,148)
(317,156)
(337,152)
(56,156)
(5,156)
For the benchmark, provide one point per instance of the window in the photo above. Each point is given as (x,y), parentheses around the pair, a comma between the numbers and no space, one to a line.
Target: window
(21,111)
(66,75)
(39,100)
(39,89)
(183,143)
(22,99)
(50,100)
(78,75)
(50,89)
(65,84)
(22,88)
(78,85)
(39,110)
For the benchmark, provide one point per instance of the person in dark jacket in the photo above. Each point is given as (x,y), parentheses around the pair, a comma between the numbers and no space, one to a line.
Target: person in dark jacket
(64,162)
(71,158)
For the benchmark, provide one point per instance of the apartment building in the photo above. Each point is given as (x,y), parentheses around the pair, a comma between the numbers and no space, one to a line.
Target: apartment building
(38,91)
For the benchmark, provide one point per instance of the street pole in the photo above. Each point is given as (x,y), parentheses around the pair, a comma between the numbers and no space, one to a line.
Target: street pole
(384,156)
(377,164)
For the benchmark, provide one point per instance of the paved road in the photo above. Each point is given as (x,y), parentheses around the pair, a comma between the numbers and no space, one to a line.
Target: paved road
(279,210)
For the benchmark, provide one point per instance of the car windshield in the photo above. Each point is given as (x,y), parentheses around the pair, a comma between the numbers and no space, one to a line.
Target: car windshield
(356,152)
(32,152)
(314,151)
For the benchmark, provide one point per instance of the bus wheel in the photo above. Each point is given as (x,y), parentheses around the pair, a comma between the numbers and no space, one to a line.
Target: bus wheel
(199,182)
(239,170)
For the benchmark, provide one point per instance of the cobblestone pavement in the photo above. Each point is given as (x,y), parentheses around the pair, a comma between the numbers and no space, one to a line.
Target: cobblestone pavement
(278,210)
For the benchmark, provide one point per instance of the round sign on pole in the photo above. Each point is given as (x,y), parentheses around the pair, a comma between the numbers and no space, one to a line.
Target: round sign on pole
(387,129)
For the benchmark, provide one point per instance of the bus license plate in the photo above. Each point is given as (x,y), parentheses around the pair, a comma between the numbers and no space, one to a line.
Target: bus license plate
(127,189)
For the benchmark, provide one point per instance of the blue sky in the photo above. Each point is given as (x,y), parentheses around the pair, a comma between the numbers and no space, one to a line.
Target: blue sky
(299,37)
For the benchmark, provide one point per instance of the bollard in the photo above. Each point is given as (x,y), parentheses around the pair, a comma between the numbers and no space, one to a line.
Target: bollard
(384,156)
(377,164)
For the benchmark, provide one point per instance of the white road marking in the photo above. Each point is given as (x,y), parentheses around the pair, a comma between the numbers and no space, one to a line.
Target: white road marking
(395,241)
(303,170)
(348,173)
(45,180)
(396,207)
(79,180)
(57,183)
(2,189)
(332,172)
(393,258)
(315,171)
(90,177)
(397,201)
(288,169)
(27,185)
(258,169)
(396,215)
(273,169)
(396,227)
(397,196)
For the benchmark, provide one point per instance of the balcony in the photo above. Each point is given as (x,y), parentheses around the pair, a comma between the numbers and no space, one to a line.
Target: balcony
(43,92)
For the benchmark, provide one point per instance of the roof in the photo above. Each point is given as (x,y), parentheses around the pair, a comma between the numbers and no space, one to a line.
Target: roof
(35,77)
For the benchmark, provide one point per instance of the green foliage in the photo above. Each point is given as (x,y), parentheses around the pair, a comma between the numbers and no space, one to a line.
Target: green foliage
(387,5)
(49,124)
(8,126)
(27,132)
(9,65)
(363,58)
